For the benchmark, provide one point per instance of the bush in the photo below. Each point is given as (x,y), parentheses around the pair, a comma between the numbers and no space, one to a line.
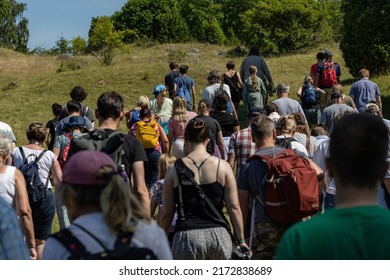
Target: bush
(158,20)
(366,37)
(203,18)
(285,25)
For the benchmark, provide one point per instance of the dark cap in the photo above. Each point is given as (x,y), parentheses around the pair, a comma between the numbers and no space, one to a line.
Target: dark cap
(75,121)
(256,111)
(82,168)
(207,102)
(328,53)
(335,95)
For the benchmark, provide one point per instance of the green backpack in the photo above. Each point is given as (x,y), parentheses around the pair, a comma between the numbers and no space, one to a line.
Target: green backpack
(99,140)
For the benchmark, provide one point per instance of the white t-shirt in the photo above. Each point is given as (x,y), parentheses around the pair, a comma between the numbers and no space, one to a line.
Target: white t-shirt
(209,92)
(319,157)
(148,235)
(7,186)
(45,163)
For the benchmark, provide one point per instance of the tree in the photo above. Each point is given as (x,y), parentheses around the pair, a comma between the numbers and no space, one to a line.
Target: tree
(62,46)
(104,39)
(158,20)
(78,45)
(366,36)
(204,18)
(14,30)
(284,25)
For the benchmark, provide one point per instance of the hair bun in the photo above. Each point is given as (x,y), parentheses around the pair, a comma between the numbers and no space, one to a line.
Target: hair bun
(199,124)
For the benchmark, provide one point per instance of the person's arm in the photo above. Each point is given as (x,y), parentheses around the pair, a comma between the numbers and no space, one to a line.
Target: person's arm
(221,144)
(56,151)
(170,141)
(239,80)
(317,79)
(24,213)
(193,98)
(299,92)
(233,204)
(56,172)
(232,150)
(164,139)
(140,188)
(168,207)
(379,102)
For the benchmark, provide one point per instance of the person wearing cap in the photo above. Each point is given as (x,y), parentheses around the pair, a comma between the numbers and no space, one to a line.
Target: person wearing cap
(101,206)
(330,112)
(74,109)
(334,79)
(161,105)
(74,128)
(365,91)
(216,146)
(79,94)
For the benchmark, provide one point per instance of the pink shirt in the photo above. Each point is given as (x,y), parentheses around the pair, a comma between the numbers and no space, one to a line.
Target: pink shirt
(178,128)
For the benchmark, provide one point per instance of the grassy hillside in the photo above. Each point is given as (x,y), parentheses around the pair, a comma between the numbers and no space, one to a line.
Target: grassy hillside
(37,81)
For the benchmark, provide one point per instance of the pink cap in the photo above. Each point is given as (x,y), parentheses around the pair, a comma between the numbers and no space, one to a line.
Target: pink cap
(82,168)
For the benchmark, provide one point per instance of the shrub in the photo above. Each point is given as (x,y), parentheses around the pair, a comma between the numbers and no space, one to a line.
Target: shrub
(285,25)
(366,36)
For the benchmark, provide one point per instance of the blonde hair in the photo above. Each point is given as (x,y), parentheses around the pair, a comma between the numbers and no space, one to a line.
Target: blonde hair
(142,100)
(337,88)
(164,163)
(286,125)
(253,71)
(120,208)
(179,109)
(6,147)
(308,80)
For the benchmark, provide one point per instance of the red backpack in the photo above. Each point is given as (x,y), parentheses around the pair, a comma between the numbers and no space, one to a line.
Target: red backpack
(328,77)
(291,190)
(64,155)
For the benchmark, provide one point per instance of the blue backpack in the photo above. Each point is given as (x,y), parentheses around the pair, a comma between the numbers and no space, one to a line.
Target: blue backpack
(309,95)
(36,189)
(183,91)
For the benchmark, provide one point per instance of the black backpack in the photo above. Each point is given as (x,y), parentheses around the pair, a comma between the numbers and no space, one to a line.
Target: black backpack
(36,189)
(122,248)
(284,142)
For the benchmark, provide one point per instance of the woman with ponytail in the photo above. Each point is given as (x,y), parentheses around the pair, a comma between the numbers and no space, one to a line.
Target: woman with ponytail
(101,207)
(201,231)
(254,93)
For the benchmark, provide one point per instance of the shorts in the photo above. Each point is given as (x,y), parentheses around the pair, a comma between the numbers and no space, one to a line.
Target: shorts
(202,244)
(43,216)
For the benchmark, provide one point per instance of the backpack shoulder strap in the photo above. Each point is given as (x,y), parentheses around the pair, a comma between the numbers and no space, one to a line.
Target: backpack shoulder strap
(180,169)
(23,154)
(40,156)
(91,235)
(72,244)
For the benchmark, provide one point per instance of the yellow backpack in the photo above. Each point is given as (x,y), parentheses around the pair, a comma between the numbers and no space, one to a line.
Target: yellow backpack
(146,132)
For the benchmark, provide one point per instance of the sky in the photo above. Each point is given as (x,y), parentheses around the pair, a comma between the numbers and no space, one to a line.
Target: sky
(51,19)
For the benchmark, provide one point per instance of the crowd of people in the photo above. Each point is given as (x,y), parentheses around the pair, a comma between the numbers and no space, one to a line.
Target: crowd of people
(201,170)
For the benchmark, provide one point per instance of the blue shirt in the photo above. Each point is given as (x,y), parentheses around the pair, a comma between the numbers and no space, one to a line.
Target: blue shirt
(12,245)
(364,91)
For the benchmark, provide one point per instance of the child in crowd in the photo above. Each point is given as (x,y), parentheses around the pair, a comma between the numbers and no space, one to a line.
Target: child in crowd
(164,163)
